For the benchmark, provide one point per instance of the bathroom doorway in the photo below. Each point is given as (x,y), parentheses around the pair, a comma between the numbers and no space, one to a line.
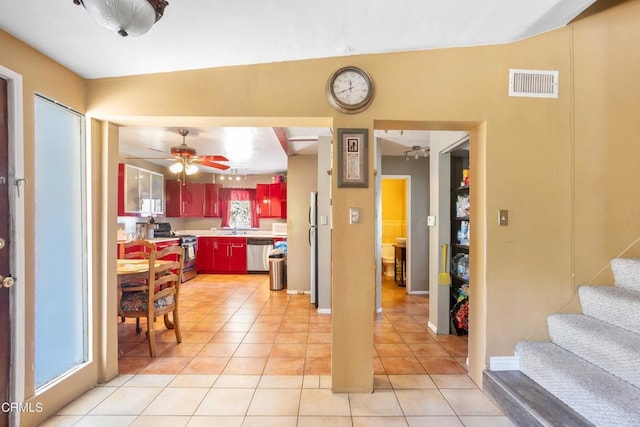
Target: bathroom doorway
(395,217)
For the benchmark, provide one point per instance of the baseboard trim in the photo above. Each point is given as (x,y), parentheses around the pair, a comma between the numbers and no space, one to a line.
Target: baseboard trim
(379,310)
(297,292)
(419,293)
(324,311)
(433,327)
(504,363)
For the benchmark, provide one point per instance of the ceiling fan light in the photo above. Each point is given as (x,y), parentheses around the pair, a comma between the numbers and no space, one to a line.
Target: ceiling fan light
(125,17)
(176,167)
(190,169)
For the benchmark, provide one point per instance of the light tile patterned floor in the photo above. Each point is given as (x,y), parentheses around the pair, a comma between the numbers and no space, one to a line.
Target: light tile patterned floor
(251,356)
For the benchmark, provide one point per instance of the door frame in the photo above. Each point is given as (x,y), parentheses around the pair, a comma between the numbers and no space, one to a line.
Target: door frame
(17,225)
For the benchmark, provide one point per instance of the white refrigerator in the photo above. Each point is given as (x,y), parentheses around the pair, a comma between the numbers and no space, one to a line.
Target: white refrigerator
(313,245)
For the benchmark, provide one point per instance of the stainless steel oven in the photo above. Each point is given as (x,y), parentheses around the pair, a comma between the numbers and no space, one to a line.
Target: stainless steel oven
(188,242)
(190,245)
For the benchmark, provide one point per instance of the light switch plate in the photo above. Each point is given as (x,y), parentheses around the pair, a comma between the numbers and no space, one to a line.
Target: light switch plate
(324,220)
(503,217)
(431,221)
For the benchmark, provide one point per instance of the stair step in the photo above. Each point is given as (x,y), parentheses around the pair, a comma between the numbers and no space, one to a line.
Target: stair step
(611,348)
(597,395)
(626,272)
(528,404)
(612,304)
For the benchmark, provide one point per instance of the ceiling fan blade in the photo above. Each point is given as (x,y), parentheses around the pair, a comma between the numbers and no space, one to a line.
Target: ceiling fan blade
(212,164)
(213,158)
(159,151)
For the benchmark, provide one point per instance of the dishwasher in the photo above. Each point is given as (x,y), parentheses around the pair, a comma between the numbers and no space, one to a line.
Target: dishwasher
(258,254)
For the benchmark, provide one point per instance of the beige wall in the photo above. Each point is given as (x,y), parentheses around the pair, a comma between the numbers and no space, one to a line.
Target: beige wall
(565,168)
(533,159)
(301,180)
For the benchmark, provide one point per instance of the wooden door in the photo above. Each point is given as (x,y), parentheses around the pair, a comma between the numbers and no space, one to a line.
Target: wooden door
(5,329)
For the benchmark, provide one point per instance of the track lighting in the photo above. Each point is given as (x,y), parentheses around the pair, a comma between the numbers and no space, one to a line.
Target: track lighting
(416,151)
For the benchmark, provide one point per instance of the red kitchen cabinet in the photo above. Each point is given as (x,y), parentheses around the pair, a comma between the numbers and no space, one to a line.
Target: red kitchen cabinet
(165,244)
(272,200)
(230,255)
(283,200)
(185,198)
(263,200)
(211,199)
(140,191)
(222,255)
(238,256)
(204,256)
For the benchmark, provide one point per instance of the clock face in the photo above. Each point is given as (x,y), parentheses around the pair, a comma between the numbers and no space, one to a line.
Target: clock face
(350,90)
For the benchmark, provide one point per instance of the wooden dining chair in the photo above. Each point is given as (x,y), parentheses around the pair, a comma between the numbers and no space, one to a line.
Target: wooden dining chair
(135,249)
(160,296)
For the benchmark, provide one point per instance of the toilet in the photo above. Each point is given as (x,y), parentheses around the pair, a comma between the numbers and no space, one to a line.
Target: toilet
(388,259)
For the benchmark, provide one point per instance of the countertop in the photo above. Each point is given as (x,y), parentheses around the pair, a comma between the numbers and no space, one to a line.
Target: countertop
(227,233)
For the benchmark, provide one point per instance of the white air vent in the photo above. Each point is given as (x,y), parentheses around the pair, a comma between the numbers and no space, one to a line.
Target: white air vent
(533,83)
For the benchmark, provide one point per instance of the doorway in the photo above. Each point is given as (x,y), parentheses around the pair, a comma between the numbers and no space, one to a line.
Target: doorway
(395,218)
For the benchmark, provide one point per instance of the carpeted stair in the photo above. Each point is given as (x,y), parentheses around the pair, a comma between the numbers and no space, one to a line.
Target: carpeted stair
(592,363)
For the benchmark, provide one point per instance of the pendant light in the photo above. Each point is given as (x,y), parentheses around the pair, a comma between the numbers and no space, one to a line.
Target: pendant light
(126,17)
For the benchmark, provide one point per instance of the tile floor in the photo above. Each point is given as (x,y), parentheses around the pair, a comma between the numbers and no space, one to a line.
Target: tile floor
(250,356)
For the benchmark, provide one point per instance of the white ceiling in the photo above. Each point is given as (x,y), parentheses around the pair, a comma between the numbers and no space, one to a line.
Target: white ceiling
(197,34)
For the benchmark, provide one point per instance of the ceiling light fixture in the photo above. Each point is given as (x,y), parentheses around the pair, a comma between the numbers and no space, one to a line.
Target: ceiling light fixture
(233,175)
(183,165)
(126,17)
(176,167)
(190,169)
(416,152)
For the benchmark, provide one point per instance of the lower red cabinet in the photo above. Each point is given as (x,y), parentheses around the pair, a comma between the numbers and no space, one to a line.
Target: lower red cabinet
(222,255)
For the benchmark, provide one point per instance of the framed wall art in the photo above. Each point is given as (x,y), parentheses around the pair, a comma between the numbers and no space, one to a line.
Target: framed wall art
(352,158)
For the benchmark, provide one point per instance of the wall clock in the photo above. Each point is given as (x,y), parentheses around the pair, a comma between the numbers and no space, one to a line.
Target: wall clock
(350,90)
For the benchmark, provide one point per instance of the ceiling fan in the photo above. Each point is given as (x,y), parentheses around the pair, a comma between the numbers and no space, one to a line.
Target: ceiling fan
(186,157)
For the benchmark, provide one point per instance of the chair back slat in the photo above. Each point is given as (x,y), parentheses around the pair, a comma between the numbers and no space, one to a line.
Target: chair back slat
(137,249)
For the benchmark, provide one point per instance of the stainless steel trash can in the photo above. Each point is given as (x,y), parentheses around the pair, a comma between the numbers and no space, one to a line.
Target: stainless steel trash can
(276,272)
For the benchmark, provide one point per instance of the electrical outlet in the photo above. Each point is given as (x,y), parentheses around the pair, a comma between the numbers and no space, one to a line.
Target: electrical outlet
(354,215)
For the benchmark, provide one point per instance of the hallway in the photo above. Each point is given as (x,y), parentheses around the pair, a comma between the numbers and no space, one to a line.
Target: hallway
(251,356)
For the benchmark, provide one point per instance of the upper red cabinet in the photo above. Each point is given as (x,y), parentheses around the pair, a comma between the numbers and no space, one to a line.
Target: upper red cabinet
(192,199)
(272,200)
(211,198)
(140,191)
